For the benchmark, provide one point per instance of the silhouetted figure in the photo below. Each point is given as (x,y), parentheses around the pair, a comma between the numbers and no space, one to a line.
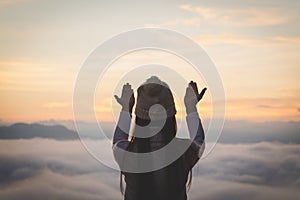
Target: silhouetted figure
(171,181)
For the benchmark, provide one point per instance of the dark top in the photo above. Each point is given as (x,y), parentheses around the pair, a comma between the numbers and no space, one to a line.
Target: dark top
(163,184)
(168,183)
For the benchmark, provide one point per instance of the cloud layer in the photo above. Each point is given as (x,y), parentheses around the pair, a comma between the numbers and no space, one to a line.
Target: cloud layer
(35,168)
(238,17)
(249,171)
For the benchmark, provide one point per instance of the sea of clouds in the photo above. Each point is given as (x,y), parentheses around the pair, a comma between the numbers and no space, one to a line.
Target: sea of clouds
(51,169)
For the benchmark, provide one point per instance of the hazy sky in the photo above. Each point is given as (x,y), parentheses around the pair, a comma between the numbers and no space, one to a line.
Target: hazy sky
(255,45)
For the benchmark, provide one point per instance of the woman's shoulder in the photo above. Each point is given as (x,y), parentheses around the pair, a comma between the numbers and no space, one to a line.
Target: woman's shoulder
(187,144)
(190,152)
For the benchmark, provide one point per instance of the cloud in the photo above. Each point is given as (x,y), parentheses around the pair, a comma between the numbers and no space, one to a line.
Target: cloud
(57,186)
(57,105)
(264,163)
(235,17)
(238,131)
(251,16)
(230,39)
(33,169)
(220,190)
(246,40)
(14,170)
(278,108)
(288,40)
(249,171)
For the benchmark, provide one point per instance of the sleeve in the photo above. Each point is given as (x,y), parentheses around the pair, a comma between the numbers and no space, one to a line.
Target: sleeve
(120,139)
(196,131)
(122,128)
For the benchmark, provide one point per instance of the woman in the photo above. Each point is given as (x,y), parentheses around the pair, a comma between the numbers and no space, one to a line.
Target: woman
(171,181)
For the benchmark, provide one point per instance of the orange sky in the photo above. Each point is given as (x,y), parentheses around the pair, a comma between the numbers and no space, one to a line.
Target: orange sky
(255,49)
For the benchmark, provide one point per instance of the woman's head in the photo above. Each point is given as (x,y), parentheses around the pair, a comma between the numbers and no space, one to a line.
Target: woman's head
(153,92)
(163,123)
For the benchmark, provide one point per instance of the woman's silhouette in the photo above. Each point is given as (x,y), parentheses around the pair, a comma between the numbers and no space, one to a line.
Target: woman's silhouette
(170,182)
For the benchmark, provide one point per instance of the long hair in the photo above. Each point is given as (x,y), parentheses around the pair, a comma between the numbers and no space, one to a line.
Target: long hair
(168,132)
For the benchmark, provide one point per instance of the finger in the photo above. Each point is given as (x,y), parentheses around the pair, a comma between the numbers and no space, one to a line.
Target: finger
(186,90)
(202,93)
(132,98)
(118,99)
(190,84)
(127,86)
(190,91)
(194,86)
(132,94)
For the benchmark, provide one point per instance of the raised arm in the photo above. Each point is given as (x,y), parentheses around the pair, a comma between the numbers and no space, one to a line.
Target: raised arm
(126,101)
(191,98)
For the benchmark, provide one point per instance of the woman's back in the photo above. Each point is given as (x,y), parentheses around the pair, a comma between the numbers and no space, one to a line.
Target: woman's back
(166,183)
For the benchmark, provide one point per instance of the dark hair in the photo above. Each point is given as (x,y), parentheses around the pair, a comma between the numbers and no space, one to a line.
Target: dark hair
(168,132)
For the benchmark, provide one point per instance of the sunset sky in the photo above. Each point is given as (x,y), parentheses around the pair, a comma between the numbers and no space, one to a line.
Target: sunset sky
(255,46)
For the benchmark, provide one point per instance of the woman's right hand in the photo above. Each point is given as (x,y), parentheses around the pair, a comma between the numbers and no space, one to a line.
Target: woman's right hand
(192,97)
(127,98)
